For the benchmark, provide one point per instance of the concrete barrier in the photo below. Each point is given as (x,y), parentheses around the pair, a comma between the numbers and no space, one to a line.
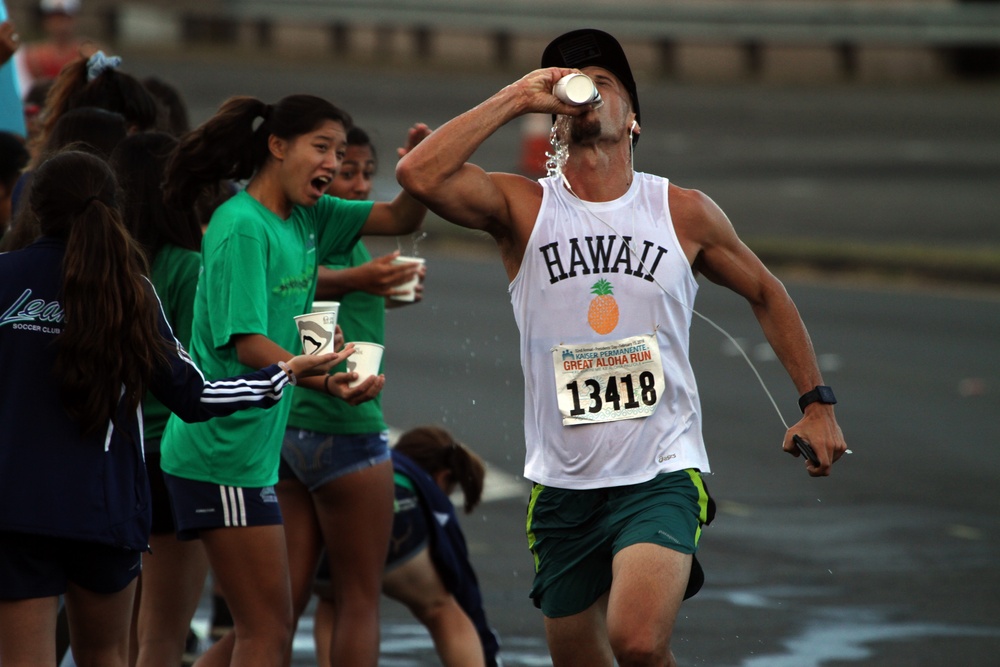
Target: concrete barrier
(751,27)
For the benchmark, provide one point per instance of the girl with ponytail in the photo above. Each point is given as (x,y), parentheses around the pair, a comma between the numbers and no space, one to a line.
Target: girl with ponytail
(96,82)
(260,256)
(428,567)
(450,463)
(82,339)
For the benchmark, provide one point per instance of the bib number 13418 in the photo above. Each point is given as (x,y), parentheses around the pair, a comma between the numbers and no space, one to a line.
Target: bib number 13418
(608,381)
(620,393)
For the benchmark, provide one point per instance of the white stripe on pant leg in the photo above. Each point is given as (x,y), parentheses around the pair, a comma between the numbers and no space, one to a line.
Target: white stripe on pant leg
(225,506)
(233,509)
(243,507)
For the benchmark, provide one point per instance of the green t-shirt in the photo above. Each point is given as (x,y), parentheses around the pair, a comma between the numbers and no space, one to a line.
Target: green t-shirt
(174,274)
(258,273)
(362,318)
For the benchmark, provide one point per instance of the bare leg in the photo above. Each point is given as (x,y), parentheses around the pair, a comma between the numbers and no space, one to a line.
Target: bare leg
(251,565)
(323,619)
(173,577)
(222,620)
(28,631)
(99,625)
(647,589)
(355,513)
(580,640)
(303,538)
(416,584)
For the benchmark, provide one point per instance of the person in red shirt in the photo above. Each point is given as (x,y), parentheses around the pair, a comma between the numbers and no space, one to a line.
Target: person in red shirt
(45,59)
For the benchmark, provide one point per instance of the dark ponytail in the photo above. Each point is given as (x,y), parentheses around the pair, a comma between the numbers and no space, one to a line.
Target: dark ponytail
(233,144)
(110,89)
(434,450)
(139,162)
(110,343)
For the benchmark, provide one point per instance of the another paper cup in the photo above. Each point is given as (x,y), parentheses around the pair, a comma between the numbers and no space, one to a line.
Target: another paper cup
(411,285)
(316,331)
(321,306)
(365,361)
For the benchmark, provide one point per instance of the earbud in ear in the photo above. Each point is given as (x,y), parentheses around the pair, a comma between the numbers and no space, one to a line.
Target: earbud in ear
(631,129)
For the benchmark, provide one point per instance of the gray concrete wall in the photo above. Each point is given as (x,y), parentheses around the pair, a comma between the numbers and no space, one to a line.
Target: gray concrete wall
(170,24)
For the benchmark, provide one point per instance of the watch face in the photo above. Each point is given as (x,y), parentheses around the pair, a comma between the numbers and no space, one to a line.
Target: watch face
(826,394)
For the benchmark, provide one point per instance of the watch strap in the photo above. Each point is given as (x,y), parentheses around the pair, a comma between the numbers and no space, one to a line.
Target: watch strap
(818,394)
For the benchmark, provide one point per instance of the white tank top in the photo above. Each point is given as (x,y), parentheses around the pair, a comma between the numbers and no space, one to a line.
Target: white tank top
(609,394)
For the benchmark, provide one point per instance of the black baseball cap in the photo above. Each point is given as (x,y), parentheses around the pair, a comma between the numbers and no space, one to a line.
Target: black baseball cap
(589,46)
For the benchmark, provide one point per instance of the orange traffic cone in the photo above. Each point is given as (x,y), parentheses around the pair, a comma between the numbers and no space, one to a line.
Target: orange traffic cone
(535,131)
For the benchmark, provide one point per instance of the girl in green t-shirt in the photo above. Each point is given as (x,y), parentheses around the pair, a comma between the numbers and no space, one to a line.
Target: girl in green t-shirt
(259,261)
(336,476)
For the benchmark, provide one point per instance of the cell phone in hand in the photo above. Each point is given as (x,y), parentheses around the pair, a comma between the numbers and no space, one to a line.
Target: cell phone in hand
(805,449)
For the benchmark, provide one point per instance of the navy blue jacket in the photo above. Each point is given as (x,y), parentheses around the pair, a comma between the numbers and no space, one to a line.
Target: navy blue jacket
(449,551)
(53,480)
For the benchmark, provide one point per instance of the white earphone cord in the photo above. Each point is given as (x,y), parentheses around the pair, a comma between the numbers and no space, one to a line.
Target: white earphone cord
(665,291)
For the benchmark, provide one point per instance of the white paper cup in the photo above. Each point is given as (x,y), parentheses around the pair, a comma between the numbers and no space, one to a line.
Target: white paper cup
(365,361)
(576,89)
(316,331)
(320,306)
(411,285)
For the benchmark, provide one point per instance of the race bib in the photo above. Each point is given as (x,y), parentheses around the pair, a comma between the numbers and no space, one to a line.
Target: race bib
(608,381)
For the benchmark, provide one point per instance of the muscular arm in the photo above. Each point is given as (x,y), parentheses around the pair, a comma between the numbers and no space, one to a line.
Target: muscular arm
(438,172)
(404,214)
(715,250)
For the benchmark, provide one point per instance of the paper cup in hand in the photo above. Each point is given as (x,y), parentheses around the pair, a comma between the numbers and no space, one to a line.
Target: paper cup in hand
(321,306)
(411,285)
(365,362)
(316,331)
(576,89)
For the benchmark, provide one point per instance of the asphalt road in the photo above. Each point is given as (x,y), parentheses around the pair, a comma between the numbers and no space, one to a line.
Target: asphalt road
(892,560)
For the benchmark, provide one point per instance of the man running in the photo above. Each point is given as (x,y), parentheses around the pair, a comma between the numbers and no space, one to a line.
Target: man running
(602,262)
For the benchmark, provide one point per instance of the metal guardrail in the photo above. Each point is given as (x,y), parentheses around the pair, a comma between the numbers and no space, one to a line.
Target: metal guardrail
(844,26)
(815,22)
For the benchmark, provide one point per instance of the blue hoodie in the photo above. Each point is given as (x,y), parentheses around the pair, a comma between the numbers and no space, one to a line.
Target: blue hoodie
(449,551)
(54,480)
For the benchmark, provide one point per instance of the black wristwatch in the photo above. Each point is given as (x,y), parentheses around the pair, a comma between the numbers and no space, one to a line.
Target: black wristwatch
(818,394)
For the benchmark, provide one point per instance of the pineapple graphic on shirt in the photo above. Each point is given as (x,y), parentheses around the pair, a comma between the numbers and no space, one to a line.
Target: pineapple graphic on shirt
(602,316)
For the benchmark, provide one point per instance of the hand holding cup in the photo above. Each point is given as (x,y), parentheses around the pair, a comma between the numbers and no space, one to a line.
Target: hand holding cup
(365,389)
(384,276)
(407,290)
(306,365)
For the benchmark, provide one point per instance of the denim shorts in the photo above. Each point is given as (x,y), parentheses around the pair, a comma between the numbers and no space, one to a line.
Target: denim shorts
(317,458)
